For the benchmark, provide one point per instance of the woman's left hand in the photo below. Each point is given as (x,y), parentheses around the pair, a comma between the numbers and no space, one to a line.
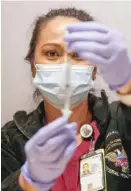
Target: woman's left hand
(104,47)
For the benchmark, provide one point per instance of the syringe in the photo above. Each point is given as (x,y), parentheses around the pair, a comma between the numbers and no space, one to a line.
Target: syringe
(68,89)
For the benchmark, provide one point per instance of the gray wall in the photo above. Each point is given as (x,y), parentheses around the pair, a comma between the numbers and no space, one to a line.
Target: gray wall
(17,18)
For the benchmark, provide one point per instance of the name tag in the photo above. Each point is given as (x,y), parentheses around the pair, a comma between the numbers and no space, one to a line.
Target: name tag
(92,171)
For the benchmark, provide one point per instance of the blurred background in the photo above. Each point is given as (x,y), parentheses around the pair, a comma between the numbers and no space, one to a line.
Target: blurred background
(17,22)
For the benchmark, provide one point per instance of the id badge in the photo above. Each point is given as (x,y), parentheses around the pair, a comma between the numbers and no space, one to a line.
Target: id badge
(92,171)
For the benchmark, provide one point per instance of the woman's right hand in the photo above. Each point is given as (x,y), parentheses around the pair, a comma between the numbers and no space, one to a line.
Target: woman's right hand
(48,152)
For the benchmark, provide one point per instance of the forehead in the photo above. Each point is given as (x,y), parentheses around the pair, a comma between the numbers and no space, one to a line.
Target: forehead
(54,29)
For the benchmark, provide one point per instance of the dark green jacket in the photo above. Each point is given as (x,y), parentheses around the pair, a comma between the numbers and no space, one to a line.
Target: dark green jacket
(114,124)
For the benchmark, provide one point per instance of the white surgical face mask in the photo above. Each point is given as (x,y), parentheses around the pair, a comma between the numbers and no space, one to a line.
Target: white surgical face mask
(50,77)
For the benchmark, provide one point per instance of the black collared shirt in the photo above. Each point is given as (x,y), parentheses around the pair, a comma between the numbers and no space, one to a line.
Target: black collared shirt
(115,138)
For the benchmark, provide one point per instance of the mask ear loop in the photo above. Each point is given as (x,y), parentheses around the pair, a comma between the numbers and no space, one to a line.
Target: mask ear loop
(36,66)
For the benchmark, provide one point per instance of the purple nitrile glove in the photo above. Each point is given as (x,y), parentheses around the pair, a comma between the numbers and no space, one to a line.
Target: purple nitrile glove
(104,47)
(48,152)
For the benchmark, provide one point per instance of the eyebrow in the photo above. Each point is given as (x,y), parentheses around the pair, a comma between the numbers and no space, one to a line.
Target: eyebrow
(52,44)
(57,45)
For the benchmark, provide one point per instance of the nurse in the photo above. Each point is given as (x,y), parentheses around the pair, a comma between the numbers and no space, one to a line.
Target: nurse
(44,150)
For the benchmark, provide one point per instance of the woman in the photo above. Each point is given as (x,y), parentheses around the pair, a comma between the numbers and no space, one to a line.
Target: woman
(54,147)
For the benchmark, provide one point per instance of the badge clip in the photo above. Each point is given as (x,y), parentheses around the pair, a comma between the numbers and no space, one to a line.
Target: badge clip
(86,132)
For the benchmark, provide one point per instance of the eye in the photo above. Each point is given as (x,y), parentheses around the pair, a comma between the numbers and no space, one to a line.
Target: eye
(76,56)
(51,54)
